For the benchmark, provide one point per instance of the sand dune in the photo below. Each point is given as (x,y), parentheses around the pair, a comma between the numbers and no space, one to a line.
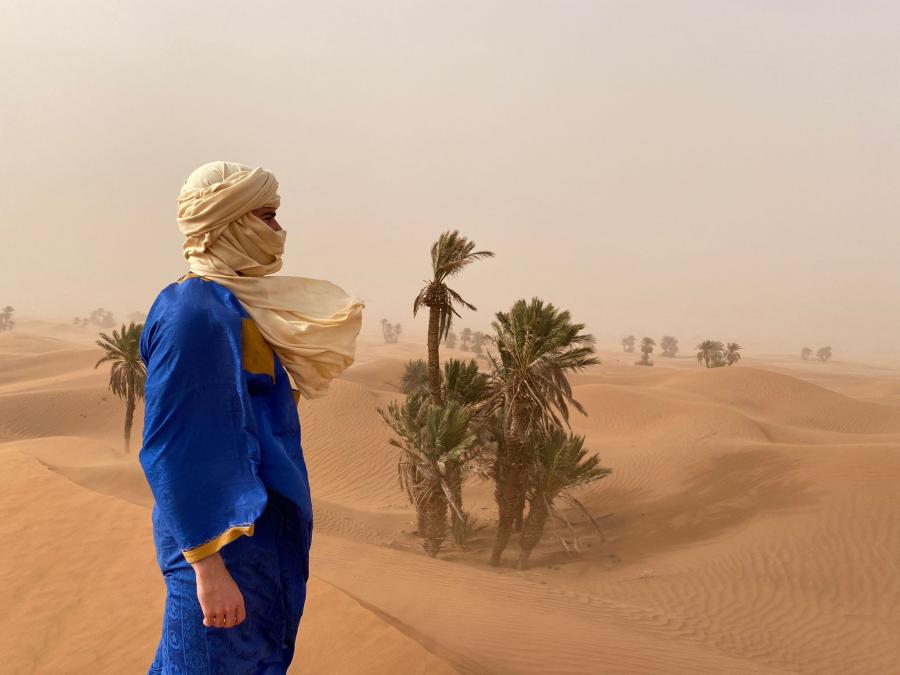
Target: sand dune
(86,595)
(750,525)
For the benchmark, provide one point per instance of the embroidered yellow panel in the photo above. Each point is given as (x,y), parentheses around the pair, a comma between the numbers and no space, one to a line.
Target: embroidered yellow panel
(192,555)
(257,355)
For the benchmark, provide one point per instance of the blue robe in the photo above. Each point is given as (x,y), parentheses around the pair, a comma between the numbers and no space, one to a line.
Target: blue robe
(222,455)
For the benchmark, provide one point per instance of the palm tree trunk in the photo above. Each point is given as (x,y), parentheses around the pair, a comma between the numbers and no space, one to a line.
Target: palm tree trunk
(454,482)
(435,521)
(434,358)
(511,484)
(412,479)
(533,529)
(519,507)
(129,419)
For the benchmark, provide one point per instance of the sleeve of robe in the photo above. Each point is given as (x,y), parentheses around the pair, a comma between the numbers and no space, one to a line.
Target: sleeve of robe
(200,452)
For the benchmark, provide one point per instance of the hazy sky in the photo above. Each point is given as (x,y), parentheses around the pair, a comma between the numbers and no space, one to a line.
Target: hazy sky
(712,169)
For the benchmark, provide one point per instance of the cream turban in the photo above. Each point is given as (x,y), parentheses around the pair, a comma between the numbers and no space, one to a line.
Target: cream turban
(312,324)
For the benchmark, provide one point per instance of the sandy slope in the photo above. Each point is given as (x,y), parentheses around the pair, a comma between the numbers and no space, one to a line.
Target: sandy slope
(750,526)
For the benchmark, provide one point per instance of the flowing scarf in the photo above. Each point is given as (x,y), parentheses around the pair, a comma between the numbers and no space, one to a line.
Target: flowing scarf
(312,324)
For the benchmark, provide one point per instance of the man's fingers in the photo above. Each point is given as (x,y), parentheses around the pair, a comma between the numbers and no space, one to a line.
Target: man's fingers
(226,619)
(214,620)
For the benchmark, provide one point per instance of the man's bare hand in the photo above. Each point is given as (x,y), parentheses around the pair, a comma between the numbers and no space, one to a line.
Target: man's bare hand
(220,598)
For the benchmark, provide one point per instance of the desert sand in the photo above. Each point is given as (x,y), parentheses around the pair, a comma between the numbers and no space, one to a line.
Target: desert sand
(751,525)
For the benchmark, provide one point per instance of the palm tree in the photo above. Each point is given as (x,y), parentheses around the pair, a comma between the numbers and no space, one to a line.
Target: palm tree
(128,374)
(450,254)
(823,353)
(669,346)
(537,345)
(710,351)
(732,353)
(414,380)
(465,384)
(478,340)
(102,318)
(464,337)
(415,377)
(560,465)
(387,330)
(450,340)
(805,353)
(628,343)
(647,345)
(6,320)
(432,438)
(397,330)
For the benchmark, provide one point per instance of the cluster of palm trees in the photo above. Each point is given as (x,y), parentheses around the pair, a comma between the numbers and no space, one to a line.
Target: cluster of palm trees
(99,317)
(469,341)
(390,330)
(6,320)
(510,425)
(710,352)
(822,353)
(668,344)
(715,354)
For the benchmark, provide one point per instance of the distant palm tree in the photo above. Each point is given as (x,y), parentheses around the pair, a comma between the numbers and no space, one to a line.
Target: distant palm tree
(628,343)
(415,376)
(450,340)
(647,345)
(6,320)
(397,330)
(669,346)
(710,351)
(128,374)
(732,353)
(478,341)
(387,329)
(560,465)
(823,354)
(537,345)
(805,353)
(432,438)
(102,318)
(464,337)
(450,254)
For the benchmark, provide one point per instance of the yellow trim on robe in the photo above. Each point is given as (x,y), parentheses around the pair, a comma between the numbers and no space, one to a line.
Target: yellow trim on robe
(188,276)
(256,354)
(296,393)
(192,555)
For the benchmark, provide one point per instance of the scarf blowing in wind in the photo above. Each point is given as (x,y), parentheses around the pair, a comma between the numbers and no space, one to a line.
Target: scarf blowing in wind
(312,324)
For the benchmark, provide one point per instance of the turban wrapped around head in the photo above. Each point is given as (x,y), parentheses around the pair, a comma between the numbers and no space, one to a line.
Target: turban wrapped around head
(221,235)
(312,324)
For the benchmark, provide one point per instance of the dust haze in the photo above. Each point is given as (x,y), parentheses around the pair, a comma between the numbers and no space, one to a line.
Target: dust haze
(703,169)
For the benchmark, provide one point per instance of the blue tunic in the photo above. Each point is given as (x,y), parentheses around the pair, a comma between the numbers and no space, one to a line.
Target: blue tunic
(222,455)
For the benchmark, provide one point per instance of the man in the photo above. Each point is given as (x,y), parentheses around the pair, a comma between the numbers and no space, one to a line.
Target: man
(229,351)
